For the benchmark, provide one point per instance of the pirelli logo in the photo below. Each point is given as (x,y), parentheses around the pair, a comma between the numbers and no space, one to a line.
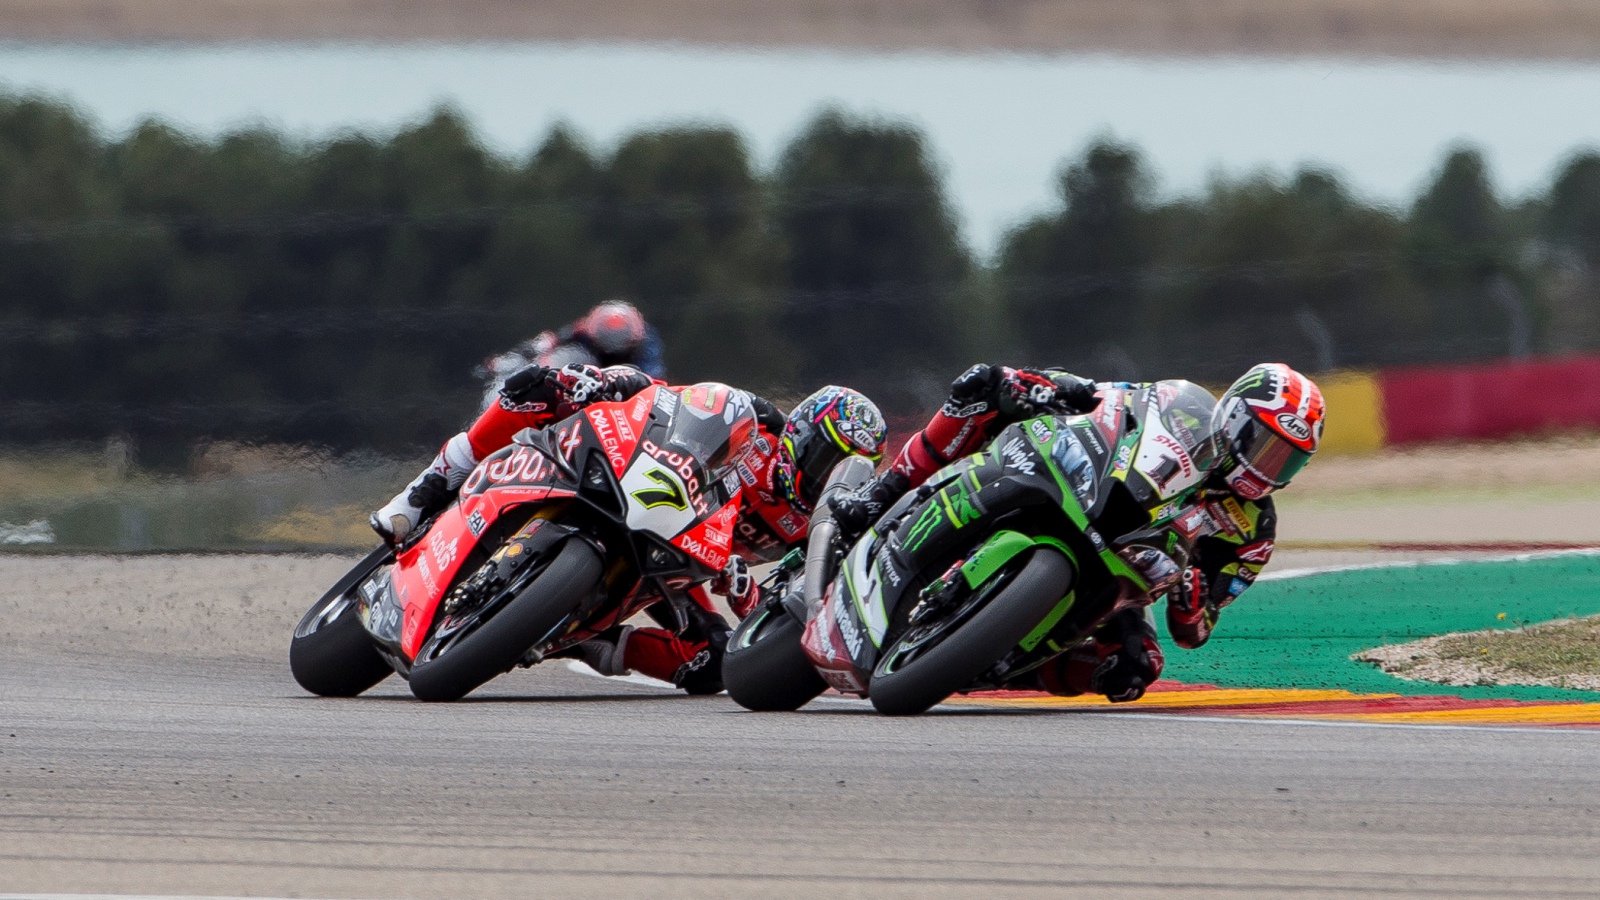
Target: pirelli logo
(1236,515)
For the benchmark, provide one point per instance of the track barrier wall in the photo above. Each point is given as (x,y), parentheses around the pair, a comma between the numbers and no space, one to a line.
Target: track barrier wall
(1506,398)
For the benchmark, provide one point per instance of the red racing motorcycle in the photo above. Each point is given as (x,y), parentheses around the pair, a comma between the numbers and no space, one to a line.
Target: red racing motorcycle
(571,529)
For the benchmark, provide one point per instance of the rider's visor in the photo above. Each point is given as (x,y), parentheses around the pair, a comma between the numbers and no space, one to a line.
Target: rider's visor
(815,455)
(1266,454)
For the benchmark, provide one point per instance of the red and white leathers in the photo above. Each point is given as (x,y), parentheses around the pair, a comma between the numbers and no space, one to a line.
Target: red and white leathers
(537,396)
(1122,658)
(983,401)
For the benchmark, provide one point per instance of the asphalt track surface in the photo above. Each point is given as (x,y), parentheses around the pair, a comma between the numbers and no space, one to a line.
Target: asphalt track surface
(204,772)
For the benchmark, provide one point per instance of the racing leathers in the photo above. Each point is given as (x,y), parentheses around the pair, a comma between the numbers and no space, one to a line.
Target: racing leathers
(767,526)
(1122,658)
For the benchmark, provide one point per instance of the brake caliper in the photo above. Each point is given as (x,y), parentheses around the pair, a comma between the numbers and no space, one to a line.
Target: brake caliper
(939,593)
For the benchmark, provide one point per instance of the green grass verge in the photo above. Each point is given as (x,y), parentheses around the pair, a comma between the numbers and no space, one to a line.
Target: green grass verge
(1300,632)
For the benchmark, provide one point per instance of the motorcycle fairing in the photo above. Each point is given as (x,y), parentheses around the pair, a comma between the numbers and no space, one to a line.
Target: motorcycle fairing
(425,571)
(846,636)
(400,604)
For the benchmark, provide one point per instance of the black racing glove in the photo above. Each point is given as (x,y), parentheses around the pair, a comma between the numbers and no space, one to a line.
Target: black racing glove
(537,388)
(1124,675)
(622,382)
(532,388)
(975,391)
(1074,395)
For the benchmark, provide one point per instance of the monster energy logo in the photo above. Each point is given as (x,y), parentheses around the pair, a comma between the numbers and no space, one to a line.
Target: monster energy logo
(1252,379)
(668,494)
(958,507)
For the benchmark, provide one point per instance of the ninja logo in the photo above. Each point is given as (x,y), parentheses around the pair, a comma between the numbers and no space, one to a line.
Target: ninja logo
(668,494)
(1016,456)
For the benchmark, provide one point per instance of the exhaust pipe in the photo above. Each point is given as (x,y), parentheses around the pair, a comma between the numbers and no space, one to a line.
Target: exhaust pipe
(848,475)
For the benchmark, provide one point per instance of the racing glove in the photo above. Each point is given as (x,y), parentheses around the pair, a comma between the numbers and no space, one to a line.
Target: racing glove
(534,388)
(571,387)
(1024,393)
(1074,395)
(738,585)
(858,509)
(973,392)
(1124,674)
(1191,609)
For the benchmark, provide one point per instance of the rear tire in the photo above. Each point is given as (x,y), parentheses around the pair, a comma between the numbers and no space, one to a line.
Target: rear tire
(977,644)
(765,668)
(499,643)
(331,654)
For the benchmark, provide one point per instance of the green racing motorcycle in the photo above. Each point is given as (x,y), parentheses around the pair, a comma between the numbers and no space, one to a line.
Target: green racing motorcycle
(1001,561)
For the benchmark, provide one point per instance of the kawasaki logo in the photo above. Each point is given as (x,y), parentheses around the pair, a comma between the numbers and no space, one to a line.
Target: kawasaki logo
(668,494)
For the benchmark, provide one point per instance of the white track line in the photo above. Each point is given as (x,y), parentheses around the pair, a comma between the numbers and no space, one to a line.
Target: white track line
(1418,563)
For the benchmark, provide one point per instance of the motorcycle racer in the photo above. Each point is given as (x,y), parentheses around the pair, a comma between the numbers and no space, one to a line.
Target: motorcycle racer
(613,333)
(782,477)
(1267,426)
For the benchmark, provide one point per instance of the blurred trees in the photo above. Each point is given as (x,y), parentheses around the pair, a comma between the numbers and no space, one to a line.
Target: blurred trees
(1569,223)
(1073,281)
(874,261)
(172,289)
(1459,255)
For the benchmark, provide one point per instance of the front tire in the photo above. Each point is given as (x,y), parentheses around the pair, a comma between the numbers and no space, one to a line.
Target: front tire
(451,669)
(765,668)
(331,654)
(950,665)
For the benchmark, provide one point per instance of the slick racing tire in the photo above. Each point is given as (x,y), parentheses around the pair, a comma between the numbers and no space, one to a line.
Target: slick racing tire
(450,666)
(910,679)
(331,654)
(765,668)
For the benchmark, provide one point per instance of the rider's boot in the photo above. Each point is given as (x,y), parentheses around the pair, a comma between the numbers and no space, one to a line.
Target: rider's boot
(702,673)
(430,492)
(857,510)
(605,651)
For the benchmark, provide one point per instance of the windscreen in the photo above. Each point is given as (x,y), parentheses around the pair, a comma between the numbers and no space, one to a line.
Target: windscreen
(1185,409)
(714,423)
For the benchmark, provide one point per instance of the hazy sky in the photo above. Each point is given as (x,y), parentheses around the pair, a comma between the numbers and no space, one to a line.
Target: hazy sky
(999,124)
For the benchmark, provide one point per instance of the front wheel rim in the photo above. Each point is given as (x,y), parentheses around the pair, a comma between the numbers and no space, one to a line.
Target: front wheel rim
(910,645)
(323,616)
(749,637)
(452,631)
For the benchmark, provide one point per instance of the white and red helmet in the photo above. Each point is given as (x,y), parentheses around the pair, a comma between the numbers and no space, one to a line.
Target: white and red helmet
(614,327)
(1269,423)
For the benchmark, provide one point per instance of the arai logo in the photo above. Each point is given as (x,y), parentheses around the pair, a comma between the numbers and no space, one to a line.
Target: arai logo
(1294,426)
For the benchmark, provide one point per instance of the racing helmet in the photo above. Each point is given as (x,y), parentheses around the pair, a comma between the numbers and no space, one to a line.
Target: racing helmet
(1269,423)
(822,430)
(614,327)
